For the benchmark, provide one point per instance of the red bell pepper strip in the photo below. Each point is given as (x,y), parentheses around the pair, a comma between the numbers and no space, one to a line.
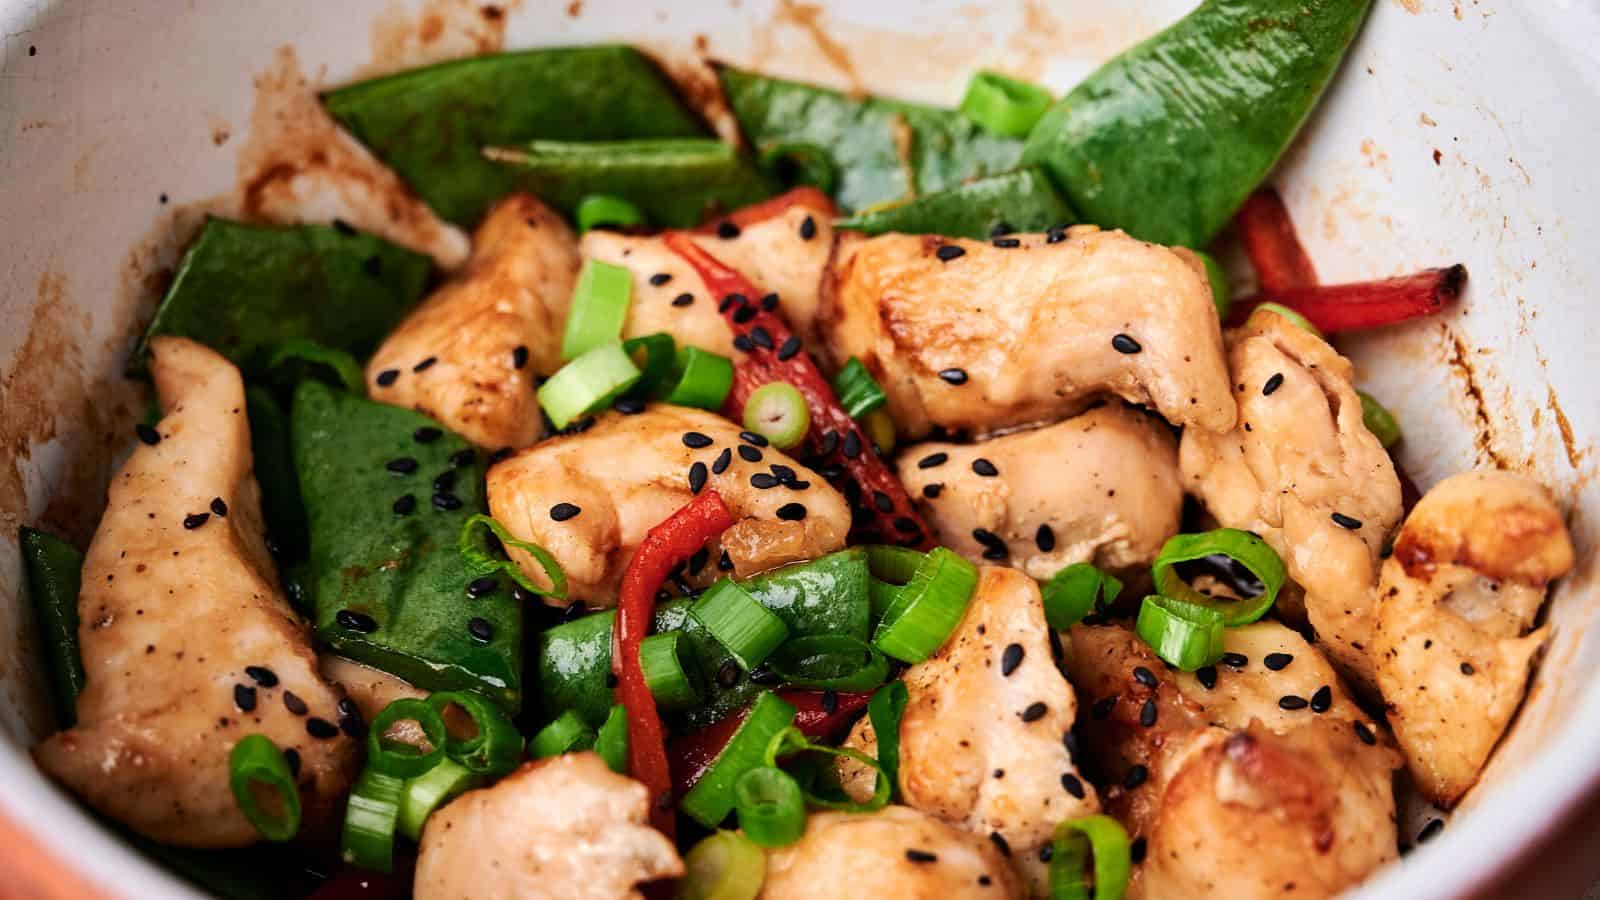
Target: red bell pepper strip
(1269,239)
(1366,304)
(692,754)
(771,352)
(663,547)
(755,213)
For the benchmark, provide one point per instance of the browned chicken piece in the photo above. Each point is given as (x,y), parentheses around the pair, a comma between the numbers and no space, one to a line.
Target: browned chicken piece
(1302,471)
(188,643)
(589,498)
(994,338)
(565,827)
(469,355)
(1456,604)
(894,852)
(780,254)
(1101,487)
(1226,792)
(981,740)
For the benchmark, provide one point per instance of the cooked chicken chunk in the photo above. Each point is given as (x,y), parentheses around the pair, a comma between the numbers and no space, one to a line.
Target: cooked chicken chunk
(981,738)
(1101,487)
(469,354)
(627,474)
(1302,471)
(565,827)
(1456,602)
(1232,794)
(187,640)
(894,852)
(997,337)
(781,254)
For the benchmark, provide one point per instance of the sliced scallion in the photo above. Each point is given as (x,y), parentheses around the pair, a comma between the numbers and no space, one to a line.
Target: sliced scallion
(798,163)
(894,565)
(606,211)
(928,608)
(660,656)
(699,378)
(431,790)
(745,628)
(1096,841)
(772,809)
(495,748)
(370,821)
(397,758)
(653,355)
(1004,106)
(829,662)
(777,411)
(712,797)
(884,711)
(1379,420)
(1243,548)
(484,559)
(791,742)
(611,742)
(1183,634)
(568,733)
(599,308)
(725,866)
(880,596)
(256,761)
(1075,592)
(857,390)
(588,383)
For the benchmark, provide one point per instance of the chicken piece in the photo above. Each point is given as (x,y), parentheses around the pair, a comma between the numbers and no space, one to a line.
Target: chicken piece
(781,254)
(627,474)
(188,643)
(1101,487)
(981,738)
(994,338)
(1302,471)
(894,852)
(1456,602)
(565,827)
(468,356)
(1232,794)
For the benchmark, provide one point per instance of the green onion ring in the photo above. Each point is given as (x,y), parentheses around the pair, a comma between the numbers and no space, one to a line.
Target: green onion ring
(255,759)
(599,307)
(567,734)
(495,749)
(1100,839)
(712,797)
(829,662)
(699,378)
(370,821)
(432,789)
(772,809)
(661,658)
(778,412)
(396,758)
(724,866)
(745,628)
(1183,634)
(928,608)
(600,210)
(791,741)
(1004,106)
(1242,547)
(478,553)
(660,351)
(588,383)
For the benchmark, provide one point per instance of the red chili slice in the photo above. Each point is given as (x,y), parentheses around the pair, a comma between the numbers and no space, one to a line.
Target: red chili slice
(745,216)
(1272,244)
(1366,304)
(693,753)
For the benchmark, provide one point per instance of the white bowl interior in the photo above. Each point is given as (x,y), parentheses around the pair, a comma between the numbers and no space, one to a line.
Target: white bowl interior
(1458,131)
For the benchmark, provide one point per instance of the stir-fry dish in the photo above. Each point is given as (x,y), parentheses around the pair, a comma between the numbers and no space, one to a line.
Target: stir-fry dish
(892,503)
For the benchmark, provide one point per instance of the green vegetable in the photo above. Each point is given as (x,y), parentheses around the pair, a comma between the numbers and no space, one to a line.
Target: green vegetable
(569,732)
(297,359)
(772,810)
(588,383)
(431,124)
(281,507)
(829,662)
(699,378)
(495,746)
(884,711)
(789,745)
(1294,317)
(599,307)
(745,628)
(799,164)
(370,821)
(1004,106)
(256,760)
(398,758)
(725,866)
(611,741)
(883,150)
(665,674)
(778,412)
(1022,201)
(427,792)
(928,608)
(823,596)
(1182,634)
(1097,841)
(1379,420)
(1221,293)
(857,390)
(712,797)
(674,182)
(654,356)
(605,211)
(54,571)
(244,290)
(1244,548)
(483,558)
(1075,592)
(1169,138)
(405,571)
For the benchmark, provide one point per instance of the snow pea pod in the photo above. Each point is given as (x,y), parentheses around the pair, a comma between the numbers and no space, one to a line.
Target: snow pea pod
(1168,139)
(1023,201)
(431,124)
(54,569)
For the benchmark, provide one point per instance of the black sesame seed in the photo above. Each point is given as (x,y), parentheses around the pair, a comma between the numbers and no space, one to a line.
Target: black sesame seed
(932,460)
(1073,785)
(1102,708)
(1467,669)
(953,375)
(947,252)
(1430,830)
(293,703)
(427,434)
(195,520)
(789,348)
(1137,850)
(921,856)
(829,443)
(1365,733)
(425,365)
(147,434)
(445,481)
(792,512)
(683,299)
(749,454)
(762,481)
(1000,843)
(244,697)
(808,228)
(387,377)
(731,300)
(1136,776)
(404,505)
(1007,243)
(769,302)
(629,406)
(1207,676)
(660,278)
(219,507)
(751,437)
(479,587)
(761,338)
(1010,658)
(405,465)
(480,629)
(1277,661)
(932,491)
(727,230)
(985,881)
(1322,700)
(353,726)
(994,545)
(882,501)
(1045,538)
(724,459)
(262,675)
(1001,229)
(1034,712)
(1055,234)
(1344,521)
(697,477)
(1123,343)
(1292,702)
(1235,660)
(463,458)
(695,440)
(292,757)
(1147,712)
(321,729)
(446,502)
(519,357)
(984,467)
(1145,677)
(355,621)
(725,562)
(1273,383)
(743,344)
(852,445)
(728,674)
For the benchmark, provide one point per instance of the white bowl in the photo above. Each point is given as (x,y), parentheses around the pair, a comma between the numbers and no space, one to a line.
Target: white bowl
(1459,130)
